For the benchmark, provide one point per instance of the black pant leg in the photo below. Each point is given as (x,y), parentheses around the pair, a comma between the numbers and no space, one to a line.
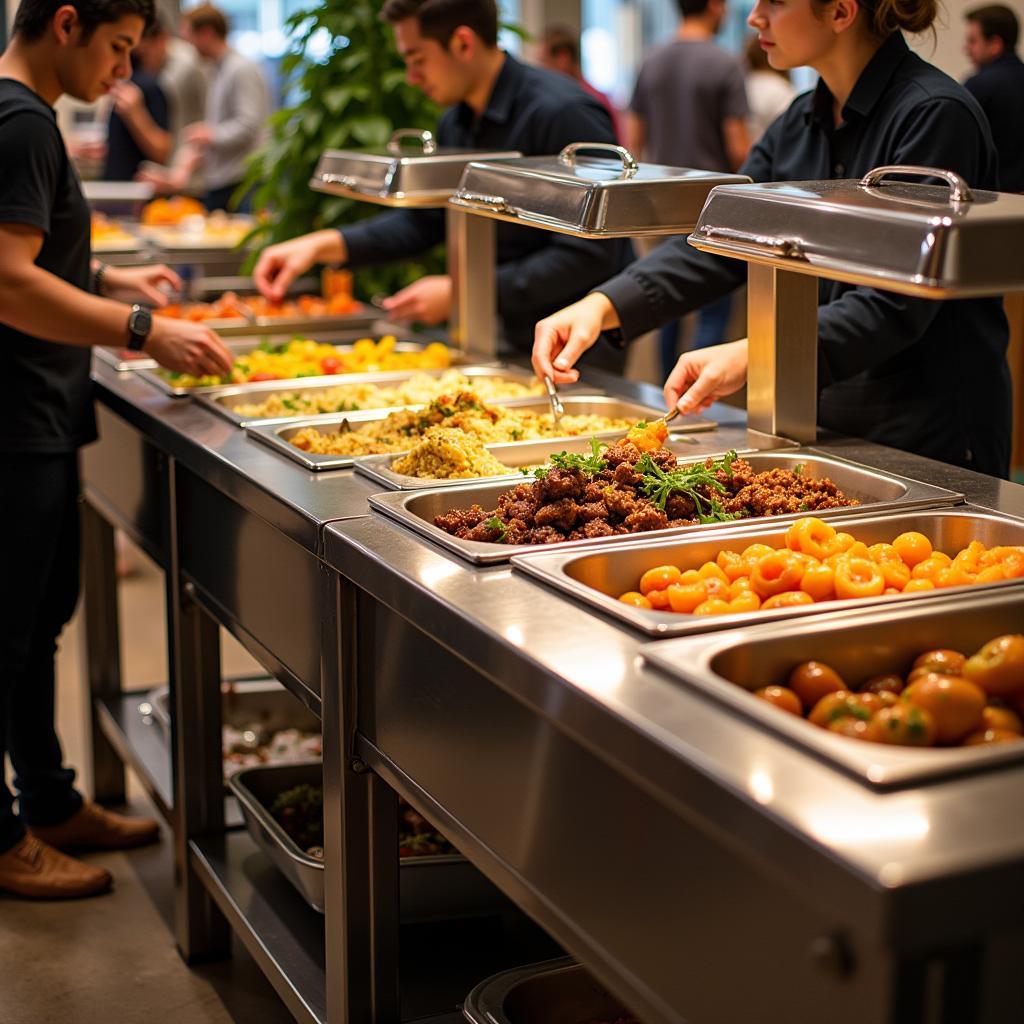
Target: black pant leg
(39,579)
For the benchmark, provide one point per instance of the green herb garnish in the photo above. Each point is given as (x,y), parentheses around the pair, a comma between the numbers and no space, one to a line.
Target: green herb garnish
(494,523)
(659,485)
(798,469)
(592,463)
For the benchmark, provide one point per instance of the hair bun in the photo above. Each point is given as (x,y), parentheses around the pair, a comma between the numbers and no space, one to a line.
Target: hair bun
(914,16)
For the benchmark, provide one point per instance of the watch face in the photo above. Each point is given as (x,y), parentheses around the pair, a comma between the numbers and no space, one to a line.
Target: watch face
(140,322)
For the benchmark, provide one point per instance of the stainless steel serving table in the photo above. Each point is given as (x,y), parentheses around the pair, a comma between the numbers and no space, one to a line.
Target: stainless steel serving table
(673,845)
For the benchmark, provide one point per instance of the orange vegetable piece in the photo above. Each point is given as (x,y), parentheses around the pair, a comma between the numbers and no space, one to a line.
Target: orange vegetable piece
(683,598)
(658,578)
(635,599)
(713,606)
(745,601)
(711,570)
(777,573)
(648,437)
(841,543)
(811,536)
(819,582)
(731,564)
(858,578)
(952,577)
(717,588)
(787,599)
(918,586)
(913,547)
(927,569)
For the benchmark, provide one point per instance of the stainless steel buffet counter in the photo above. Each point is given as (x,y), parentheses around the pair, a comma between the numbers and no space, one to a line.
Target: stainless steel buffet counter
(705,868)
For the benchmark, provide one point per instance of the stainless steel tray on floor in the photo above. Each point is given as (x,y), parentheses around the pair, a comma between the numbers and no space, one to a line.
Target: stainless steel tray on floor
(875,489)
(248,344)
(224,401)
(278,435)
(857,644)
(520,455)
(429,887)
(554,992)
(597,578)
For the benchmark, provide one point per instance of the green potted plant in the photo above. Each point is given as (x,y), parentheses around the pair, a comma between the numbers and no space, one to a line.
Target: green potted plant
(349,89)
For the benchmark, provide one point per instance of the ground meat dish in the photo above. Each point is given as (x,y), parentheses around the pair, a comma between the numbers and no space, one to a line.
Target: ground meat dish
(577,503)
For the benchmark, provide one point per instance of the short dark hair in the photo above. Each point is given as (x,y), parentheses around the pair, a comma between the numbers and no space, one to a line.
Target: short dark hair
(691,8)
(438,19)
(996,21)
(207,16)
(562,39)
(33,16)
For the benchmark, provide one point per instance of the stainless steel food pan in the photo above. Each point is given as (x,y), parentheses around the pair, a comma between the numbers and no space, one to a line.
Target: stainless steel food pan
(858,644)
(278,435)
(521,456)
(554,992)
(246,702)
(875,489)
(429,887)
(242,346)
(597,578)
(224,401)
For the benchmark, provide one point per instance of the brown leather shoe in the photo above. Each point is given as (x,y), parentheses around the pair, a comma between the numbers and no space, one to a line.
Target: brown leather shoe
(40,872)
(95,828)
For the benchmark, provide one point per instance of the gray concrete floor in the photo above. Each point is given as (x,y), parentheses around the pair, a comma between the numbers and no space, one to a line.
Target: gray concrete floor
(112,959)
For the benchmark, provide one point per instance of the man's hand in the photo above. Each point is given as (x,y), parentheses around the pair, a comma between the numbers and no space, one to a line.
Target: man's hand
(199,134)
(560,339)
(426,301)
(705,375)
(166,180)
(141,284)
(188,347)
(279,265)
(128,99)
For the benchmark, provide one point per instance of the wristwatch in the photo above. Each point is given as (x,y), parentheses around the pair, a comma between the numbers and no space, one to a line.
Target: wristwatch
(140,322)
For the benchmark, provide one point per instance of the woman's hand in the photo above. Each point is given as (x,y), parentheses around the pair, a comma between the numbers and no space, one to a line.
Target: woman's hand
(187,347)
(426,301)
(560,339)
(279,265)
(140,284)
(705,375)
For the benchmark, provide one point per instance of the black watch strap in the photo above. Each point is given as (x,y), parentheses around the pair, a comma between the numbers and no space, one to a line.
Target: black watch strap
(140,322)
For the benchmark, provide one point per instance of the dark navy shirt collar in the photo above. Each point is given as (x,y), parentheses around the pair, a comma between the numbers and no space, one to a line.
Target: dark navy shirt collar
(499,105)
(870,87)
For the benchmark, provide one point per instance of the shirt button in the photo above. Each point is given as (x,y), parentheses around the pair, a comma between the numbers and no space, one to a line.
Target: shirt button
(839,170)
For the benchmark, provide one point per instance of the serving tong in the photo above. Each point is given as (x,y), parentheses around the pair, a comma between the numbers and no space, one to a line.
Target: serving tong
(557,409)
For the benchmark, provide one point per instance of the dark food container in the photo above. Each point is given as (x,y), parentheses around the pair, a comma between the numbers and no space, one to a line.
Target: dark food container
(857,644)
(554,992)
(429,887)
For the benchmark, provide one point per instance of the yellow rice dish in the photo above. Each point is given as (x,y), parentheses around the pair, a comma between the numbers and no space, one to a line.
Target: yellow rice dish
(447,453)
(302,357)
(487,423)
(417,390)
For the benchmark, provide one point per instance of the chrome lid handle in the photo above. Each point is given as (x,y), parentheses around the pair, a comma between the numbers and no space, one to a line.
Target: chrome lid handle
(959,190)
(425,139)
(568,155)
(344,180)
(770,245)
(498,204)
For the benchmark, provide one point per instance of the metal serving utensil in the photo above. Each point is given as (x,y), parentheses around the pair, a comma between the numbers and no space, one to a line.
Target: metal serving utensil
(557,409)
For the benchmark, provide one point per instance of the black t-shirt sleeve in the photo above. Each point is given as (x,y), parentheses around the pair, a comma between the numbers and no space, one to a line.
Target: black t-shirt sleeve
(31,159)
(156,103)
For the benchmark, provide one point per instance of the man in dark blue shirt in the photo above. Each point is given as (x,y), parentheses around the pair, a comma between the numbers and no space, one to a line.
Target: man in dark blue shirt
(929,377)
(998,86)
(496,103)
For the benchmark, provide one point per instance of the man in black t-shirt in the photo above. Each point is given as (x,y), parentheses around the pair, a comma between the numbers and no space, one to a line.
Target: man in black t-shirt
(48,321)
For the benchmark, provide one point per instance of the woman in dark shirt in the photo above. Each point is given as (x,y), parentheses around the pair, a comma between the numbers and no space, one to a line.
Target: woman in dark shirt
(929,377)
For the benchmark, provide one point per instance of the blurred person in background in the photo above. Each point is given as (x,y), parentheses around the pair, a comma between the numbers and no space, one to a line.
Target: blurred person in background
(991,44)
(139,118)
(769,91)
(184,80)
(689,109)
(237,108)
(451,53)
(56,302)
(560,51)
